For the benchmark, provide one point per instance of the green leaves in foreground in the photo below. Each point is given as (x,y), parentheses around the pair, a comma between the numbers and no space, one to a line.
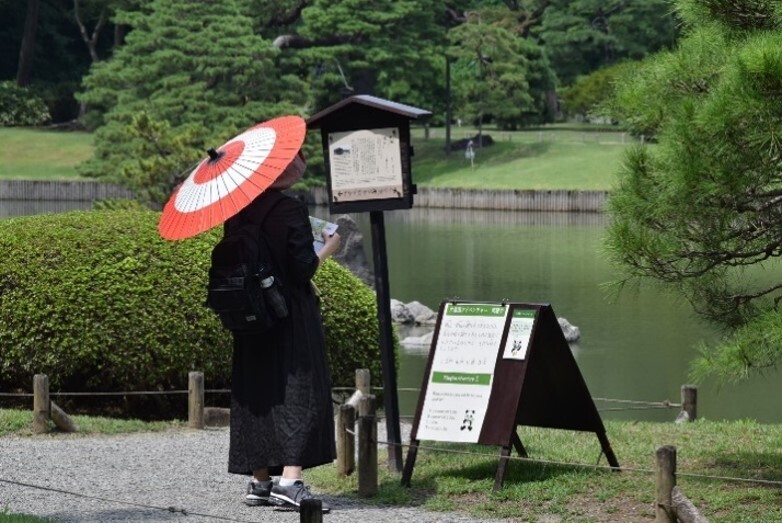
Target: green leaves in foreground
(701,211)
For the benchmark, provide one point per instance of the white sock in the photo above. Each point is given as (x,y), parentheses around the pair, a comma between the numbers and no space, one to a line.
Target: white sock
(285,482)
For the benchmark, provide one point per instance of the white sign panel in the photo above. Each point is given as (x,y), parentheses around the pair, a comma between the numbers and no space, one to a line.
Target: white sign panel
(365,165)
(519,333)
(459,384)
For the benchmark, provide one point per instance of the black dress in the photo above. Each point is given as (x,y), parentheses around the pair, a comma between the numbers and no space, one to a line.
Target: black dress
(281,412)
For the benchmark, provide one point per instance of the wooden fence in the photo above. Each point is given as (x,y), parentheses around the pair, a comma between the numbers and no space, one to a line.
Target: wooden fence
(495,199)
(426,197)
(87,190)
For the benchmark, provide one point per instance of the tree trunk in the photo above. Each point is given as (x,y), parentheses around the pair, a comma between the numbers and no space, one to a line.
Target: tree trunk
(27,50)
(120,30)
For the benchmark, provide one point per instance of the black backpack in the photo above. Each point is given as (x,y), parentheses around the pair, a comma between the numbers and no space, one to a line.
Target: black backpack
(239,289)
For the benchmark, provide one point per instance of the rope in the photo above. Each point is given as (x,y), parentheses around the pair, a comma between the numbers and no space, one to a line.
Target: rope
(651,404)
(651,407)
(171,509)
(125,393)
(665,403)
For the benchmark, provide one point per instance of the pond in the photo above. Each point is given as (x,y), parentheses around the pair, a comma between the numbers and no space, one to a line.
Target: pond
(634,346)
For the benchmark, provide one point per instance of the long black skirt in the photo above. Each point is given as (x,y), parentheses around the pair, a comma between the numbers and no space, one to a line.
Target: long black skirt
(281,409)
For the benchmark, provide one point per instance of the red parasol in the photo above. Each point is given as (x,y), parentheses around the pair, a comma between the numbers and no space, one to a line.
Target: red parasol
(232,177)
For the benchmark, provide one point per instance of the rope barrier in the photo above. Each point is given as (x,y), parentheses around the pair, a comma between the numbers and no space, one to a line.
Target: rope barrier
(171,509)
(665,403)
(651,407)
(123,393)
(651,404)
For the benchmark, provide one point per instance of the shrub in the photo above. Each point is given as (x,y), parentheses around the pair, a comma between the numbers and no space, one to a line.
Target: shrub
(19,107)
(98,302)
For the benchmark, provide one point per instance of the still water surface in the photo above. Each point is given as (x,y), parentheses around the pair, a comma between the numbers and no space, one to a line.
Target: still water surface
(635,347)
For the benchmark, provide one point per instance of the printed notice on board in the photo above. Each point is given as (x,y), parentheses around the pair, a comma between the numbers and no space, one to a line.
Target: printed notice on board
(365,165)
(459,385)
(519,334)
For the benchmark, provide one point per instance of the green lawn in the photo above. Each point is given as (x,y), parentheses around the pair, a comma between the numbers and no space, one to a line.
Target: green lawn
(28,154)
(557,157)
(518,164)
(554,490)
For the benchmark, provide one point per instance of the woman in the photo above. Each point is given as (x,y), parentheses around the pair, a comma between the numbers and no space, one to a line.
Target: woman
(281,412)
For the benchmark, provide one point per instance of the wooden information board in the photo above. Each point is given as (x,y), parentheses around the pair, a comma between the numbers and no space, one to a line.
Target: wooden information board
(492,367)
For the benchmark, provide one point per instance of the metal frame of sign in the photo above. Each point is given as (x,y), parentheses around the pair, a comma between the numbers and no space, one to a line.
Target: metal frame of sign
(545,388)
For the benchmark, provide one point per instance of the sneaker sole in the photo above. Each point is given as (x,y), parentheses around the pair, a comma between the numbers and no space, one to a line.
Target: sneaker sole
(260,502)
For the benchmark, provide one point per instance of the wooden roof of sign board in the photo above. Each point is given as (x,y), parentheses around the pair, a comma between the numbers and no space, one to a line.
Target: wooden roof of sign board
(407,111)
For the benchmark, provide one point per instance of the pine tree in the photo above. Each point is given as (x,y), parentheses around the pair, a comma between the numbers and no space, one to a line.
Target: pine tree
(702,210)
(192,68)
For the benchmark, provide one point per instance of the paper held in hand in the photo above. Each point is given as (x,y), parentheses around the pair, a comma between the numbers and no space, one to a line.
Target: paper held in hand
(318,227)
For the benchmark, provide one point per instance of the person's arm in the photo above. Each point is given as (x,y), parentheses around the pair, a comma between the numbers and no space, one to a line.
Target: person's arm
(331,244)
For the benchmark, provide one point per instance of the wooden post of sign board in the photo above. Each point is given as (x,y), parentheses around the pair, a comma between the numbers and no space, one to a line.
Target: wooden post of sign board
(505,453)
(391,401)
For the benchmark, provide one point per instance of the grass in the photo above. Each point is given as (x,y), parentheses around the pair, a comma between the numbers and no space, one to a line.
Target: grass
(518,165)
(19,423)
(557,492)
(9,517)
(558,157)
(29,154)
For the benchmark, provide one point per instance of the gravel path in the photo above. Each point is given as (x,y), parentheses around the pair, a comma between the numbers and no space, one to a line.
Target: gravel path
(183,469)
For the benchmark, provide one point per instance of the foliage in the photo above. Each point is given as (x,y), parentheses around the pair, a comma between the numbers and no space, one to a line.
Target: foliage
(198,73)
(349,311)
(584,35)
(586,96)
(489,73)
(19,107)
(701,212)
(158,157)
(98,302)
(390,48)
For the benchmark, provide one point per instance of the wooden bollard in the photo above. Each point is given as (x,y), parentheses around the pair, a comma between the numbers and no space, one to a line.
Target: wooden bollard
(41,406)
(666,480)
(690,401)
(346,441)
(311,511)
(363,382)
(195,400)
(367,448)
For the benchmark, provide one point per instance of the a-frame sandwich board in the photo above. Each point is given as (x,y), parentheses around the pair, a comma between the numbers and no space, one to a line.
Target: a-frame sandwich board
(508,364)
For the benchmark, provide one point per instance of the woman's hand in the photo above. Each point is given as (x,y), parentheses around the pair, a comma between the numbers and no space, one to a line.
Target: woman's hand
(331,244)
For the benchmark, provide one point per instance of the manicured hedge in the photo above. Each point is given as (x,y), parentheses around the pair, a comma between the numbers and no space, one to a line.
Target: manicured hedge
(98,302)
